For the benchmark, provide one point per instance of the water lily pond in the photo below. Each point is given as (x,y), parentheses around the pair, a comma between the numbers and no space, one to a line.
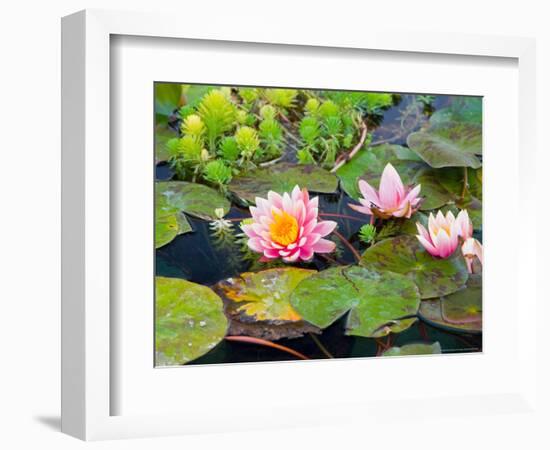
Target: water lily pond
(295,224)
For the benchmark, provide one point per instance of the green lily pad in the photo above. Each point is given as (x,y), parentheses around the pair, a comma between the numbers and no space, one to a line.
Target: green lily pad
(282,178)
(169,222)
(194,199)
(168,97)
(447,148)
(379,303)
(460,311)
(189,321)
(414,349)
(163,134)
(405,255)
(169,226)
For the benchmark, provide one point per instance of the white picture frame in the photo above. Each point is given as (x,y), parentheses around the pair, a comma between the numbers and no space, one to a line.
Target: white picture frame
(87,325)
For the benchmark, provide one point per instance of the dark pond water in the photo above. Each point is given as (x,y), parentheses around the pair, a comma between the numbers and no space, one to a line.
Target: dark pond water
(201,258)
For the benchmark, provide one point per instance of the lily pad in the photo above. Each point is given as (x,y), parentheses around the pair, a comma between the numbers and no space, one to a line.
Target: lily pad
(404,254)
(163,134)
(168,97)
(282,178)
(460,311)
(265,295)
(169,222)
(379,303)
(447,148)
(169,226)
(189,321)
(414,349)
(192,198)
(258,303)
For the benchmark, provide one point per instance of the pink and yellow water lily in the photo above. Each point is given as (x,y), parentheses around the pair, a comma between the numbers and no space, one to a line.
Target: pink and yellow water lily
(393,199)
(287,226)
(445,233)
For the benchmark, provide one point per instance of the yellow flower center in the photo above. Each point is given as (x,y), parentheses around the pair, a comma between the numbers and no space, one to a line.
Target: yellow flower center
(284,229)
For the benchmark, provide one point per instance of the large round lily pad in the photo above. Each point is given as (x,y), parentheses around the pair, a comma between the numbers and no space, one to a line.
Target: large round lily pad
(404,254)
(414,349)
(258,303)
(282,178)
(192,198)
(379,303)
(189,321)
(460,311)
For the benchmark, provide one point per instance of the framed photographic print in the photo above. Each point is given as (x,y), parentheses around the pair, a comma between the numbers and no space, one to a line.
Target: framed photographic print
(287,233)
(303,223)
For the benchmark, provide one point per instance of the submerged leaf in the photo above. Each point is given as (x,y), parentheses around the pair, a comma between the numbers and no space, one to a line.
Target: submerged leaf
(282,178)
(404,254)
(379,303)
(414,349)
(192,198)
(189,321)
(460,311)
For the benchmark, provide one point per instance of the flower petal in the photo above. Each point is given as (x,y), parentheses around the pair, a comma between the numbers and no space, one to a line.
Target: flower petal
(324,246)
(325,227)
(369,193)
(428,245)
(391,190)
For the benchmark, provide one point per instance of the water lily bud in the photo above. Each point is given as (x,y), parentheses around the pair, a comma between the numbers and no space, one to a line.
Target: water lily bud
(219,212)
(205,156)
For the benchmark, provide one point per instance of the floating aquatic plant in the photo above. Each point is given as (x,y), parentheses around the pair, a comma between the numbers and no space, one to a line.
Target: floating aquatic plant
(218,114)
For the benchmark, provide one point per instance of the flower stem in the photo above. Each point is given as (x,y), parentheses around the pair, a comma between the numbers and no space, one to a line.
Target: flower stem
(348,245)
(258,341)
(342,216)
(465,185)
(321,346)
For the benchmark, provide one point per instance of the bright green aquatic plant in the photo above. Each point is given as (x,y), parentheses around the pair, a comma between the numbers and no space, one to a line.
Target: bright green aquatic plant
(248,142)
(218,173)
(284,99)
(193,125)
(367,233)
(271,135)
(218,114)
(229,150)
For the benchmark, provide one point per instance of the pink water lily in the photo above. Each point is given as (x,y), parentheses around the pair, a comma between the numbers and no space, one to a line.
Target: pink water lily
(392,199)
(441,238)
(471,248)
(287,226)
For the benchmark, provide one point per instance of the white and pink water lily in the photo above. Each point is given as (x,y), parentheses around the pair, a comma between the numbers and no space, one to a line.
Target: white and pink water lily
(441,237)
(471,247)
(287,226)
(393,199)
(444,234)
